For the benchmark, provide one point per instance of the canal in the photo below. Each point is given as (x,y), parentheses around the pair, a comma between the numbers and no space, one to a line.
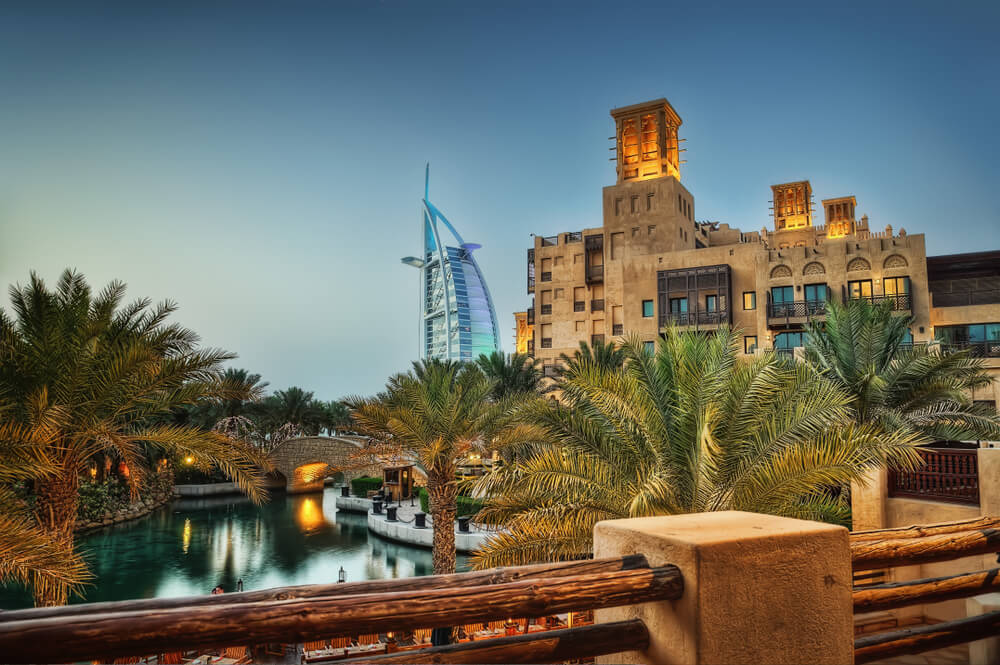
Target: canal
(192,545)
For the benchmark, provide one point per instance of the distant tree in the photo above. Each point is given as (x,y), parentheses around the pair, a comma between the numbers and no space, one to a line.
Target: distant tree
(512,374)
(601,354)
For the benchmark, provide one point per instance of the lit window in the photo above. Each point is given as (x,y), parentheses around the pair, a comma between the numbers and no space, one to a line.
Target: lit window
(749,300)
(647,308)
(750,344)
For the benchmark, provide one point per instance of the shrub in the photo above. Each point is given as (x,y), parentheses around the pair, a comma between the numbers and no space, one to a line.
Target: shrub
(361,486)
(186,474)
(464,505)
(99,498)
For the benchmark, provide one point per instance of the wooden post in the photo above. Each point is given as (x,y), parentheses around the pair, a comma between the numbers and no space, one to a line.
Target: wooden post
(757,589)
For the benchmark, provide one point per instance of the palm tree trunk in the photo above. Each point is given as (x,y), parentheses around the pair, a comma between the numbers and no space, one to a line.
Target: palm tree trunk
(442,492)
(57,499)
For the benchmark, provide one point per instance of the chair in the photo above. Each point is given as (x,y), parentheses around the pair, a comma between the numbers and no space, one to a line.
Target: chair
(172,658)
(238,654)
(314,646)
(364,640)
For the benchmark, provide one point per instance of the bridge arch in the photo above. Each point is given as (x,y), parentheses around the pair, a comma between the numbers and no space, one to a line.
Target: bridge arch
(305,462)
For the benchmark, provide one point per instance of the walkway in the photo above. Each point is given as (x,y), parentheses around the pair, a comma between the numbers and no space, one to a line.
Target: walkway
(404,530)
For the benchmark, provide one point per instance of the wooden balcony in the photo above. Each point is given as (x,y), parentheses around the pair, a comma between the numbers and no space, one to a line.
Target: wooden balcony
(950,475)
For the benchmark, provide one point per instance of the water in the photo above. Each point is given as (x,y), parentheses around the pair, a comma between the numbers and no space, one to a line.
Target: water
(192,545)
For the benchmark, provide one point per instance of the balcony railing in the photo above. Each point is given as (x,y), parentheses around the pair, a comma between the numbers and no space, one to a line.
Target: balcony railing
(574,236)
(531,316)
(531,270)
(579,305)
(550,241)
(800,309)
(597,305)
(546,276)
(618,329)
(694,318)
(901,302)
(976,349)
(546,309)
(947,475)
(546,342)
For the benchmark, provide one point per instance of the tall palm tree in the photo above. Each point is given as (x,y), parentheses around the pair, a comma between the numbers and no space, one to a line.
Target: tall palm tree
(91,376)
(900,387)
(434,415)
(512,374)
(687,429)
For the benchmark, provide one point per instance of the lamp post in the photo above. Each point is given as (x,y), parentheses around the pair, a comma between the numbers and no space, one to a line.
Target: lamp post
(341,576)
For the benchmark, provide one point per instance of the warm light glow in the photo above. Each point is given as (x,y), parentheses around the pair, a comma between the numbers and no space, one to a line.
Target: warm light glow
(310,473)
(186,538)
(189,460)
(309,515)
(93,472)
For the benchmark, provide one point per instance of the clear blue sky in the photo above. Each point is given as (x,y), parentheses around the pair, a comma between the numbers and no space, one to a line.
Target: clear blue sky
(262,165)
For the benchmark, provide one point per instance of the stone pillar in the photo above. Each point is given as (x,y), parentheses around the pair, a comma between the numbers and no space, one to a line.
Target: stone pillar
(868,501)
(757,589)
(989,481)
(984,652)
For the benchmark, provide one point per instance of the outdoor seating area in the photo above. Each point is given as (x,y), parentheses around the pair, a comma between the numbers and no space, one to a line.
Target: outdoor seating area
(342,648)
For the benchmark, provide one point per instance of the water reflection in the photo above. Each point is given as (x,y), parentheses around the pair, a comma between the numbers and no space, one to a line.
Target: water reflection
(193,545)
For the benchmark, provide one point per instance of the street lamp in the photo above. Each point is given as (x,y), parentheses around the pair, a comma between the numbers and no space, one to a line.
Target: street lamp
(341,576)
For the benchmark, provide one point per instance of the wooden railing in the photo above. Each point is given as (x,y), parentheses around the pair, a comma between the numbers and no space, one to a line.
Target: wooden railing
(314,612)
(871,550)
(947,475)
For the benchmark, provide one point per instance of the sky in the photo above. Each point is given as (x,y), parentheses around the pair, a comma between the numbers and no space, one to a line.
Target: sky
(262,164)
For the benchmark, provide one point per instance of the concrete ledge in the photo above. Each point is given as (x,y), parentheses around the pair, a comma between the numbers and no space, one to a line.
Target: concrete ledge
(209,489)
(410,535)
(354,504)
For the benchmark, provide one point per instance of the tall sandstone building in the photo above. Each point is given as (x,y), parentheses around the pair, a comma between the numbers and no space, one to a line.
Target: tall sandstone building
(652,264)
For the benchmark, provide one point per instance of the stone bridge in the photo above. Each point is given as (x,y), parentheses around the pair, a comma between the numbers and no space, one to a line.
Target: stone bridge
(304,462)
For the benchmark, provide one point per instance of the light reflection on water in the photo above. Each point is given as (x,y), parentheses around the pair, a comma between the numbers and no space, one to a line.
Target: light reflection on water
(195,544)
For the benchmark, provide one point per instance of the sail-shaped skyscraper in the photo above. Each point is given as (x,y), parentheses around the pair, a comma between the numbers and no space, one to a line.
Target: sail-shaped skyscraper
(458,321)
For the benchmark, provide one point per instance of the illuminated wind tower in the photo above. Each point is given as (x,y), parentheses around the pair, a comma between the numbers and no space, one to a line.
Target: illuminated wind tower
(458,321)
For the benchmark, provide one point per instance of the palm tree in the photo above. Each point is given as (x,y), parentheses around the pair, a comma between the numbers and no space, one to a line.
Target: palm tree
(295,407)
(602,354)
(434,415)
(687,429)
(900,387)
(91,376)
(512,374)
(27,552)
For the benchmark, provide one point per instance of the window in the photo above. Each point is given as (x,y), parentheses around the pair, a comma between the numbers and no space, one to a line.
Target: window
(712,303)
(649,201)
(782,294)
(649,347)
(785,342)
(635,204)
(907,338)
(557,261)
(981,338)
(750,344)
(749,300)
(618,207)
(581,326)
(896,286)
(558,294)
(816,292)
(859,289)
(635,231)
(647,309)
(678,305)
(650,229)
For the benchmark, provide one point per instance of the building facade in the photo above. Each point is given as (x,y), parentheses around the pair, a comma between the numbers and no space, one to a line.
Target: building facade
(457,318)
(651,264)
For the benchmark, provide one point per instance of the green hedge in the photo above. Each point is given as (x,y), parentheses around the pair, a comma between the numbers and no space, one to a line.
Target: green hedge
(361,486)
(464,505)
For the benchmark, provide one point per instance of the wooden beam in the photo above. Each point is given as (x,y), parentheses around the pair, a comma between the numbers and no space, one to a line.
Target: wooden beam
(110,634)
(925,638)
(551,646)
(931,590)
(869,554)
(920,531)
(476,578)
